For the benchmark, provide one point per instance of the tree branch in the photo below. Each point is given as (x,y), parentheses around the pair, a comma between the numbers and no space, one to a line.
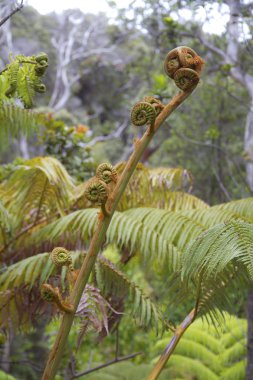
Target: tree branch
(17,9)
(114,361)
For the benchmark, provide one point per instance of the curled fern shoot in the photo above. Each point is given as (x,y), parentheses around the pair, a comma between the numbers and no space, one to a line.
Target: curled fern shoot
(106,173)
(61,257)
(53,295)
(143,113)
(184,66)
(96,191)
(156,103)
(186,78)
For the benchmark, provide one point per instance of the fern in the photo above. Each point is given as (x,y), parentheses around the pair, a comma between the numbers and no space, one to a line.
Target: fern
(207,352)
(14,120)
(38,269)
(39,188)
(22,78)
(112,281)
(158,187)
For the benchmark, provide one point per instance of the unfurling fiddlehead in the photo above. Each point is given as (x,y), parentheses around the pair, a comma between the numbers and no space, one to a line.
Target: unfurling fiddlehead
(106,173)
(184,66)
(96,191)
(143,113)
(146,111)
(41,64)
(53,295)
(61,256)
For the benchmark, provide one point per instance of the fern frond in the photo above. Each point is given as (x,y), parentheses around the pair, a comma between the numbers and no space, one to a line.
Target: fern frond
(242,207)
(15,120)
(233,239)
(159,187)
(33,269)
(5,225)
(125,230)
(235,372)
(112,281)
(217,260)
(39,188)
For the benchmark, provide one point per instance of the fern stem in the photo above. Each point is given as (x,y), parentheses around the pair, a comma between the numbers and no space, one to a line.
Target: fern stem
(100,234)
(172,345)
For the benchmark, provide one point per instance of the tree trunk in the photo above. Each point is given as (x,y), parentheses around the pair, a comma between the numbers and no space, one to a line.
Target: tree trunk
(248,145)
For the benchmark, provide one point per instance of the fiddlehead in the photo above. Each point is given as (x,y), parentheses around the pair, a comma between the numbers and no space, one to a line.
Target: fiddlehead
(61,256)
(106,173)
(53,295)
(41,64)
(96,191)
(186,78)
(143,113)
(156,103)
(184,66)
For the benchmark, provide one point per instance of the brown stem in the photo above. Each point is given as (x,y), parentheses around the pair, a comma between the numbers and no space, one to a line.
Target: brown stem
(100,234)
(6,18)
(172,345)
(114,361)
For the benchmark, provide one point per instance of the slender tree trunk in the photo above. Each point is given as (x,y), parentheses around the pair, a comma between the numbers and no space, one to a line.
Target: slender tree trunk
(248,144)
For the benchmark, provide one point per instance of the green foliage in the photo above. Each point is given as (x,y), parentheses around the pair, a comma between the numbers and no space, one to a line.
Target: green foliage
(39,187)
(37,269)
(66,143)
(209,353)
(6,376)
(21,79)
(14,120)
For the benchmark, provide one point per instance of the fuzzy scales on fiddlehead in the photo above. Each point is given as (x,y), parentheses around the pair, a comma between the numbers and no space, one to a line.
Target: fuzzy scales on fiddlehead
(53,295)
(184,66)
(61,256)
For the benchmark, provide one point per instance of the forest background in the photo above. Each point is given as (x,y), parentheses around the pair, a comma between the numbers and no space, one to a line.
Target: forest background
(100,66)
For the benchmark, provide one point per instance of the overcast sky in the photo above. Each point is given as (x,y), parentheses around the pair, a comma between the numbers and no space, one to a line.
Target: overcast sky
(217,16)
(92,6)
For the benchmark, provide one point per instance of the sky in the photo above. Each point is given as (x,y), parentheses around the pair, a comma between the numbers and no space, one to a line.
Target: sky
(92,6)
(217,17)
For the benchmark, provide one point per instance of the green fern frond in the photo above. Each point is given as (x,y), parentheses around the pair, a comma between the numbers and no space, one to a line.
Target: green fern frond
(15,120)
(204,257)
(112,281)
(39,188)
(157,187)
(242,207)
(125,230)
(5,225)
(236,372)
(22,78)
(206,345)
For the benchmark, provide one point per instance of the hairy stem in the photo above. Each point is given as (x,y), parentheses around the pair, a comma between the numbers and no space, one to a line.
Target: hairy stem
(100,234)
(172,345)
